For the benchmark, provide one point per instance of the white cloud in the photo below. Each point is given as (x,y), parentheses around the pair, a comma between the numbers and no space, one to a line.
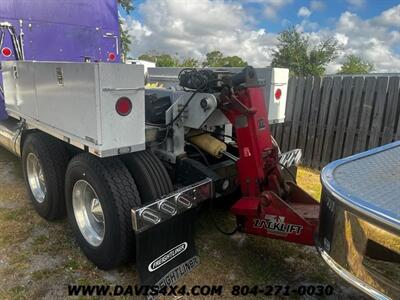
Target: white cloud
(271,7)
(367,38)
(193,28)
(304,12)
(270,13)
(390,17)
(342,39)
(273,3)
(307,25)
(317,5)
(356,3)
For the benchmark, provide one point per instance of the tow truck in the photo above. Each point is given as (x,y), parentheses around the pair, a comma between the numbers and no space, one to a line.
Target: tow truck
(129,165)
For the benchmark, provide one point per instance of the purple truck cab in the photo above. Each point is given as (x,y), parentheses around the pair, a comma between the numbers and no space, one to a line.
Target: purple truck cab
(68,30)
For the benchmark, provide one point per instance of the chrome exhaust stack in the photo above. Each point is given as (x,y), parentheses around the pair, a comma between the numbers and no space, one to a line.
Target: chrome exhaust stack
(10,135)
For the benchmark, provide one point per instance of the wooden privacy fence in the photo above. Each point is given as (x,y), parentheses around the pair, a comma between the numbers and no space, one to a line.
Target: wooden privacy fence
(336,116)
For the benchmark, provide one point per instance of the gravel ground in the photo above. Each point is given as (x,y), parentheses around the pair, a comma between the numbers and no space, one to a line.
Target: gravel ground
(38,259)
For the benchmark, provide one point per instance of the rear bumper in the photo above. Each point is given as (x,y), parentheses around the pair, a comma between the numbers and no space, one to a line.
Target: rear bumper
(349,277)
(359,249)
(159,211)
(359,231)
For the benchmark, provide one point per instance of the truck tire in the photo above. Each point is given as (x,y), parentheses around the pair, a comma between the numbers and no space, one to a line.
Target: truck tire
(44,162)
(100,194)
(151,177)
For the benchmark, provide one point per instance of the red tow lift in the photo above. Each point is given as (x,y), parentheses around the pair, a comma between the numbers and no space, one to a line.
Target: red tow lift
(269,206)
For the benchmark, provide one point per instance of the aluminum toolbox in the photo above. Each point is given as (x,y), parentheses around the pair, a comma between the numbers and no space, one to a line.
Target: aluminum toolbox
(76,102)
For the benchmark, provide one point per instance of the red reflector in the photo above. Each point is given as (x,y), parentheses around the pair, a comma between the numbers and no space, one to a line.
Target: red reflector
(6,51)
(278,94)
(123,106)
(111,56)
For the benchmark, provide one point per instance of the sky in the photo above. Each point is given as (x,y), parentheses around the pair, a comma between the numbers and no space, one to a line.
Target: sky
(249,28)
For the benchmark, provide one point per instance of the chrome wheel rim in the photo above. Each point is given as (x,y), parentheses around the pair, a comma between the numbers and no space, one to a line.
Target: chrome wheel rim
(88,212)
(36,180)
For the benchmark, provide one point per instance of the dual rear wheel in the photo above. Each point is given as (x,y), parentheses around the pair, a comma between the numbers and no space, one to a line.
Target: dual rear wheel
(96,193)
(44,162)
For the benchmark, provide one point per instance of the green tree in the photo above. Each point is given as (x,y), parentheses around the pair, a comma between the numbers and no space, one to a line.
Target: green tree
(296,53)
(213,59)
(125,40)
(234,61)
(217,59)
(166,60)
(148,57)
(161,60)
(189,63)
(355,65)
(127,5)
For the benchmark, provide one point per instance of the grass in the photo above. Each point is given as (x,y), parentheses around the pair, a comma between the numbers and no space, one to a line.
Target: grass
(39,259)
(308,179)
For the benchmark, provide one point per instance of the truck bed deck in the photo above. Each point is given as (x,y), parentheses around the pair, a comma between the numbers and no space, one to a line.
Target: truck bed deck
(369,182)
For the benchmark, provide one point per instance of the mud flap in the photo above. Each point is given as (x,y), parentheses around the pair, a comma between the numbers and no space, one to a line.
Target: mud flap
(164,229)
(166,252)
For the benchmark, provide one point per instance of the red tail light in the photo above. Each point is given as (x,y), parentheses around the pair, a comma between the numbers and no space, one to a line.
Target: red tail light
(123,106)
(111,56)
(278,94)
(6,52)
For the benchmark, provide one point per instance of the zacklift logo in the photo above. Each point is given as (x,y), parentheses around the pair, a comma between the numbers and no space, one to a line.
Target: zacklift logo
(276,225)
(167,256)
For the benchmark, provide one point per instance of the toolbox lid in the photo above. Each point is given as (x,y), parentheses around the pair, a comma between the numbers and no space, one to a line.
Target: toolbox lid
(369,182)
